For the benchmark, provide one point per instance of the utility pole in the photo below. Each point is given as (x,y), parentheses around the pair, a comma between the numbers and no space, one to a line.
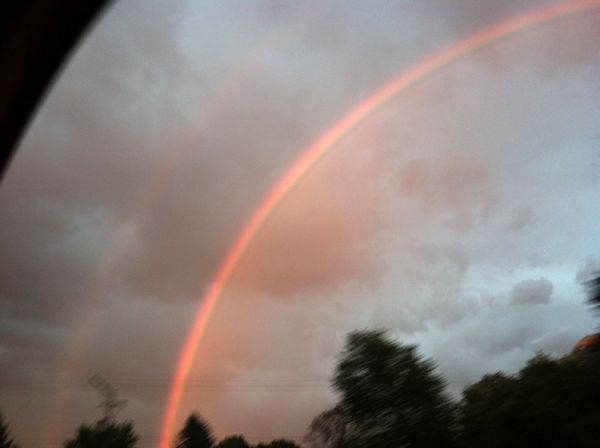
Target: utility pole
(110,405)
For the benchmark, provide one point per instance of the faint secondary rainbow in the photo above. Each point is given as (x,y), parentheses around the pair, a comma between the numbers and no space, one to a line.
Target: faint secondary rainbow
(222,96)
(316,151)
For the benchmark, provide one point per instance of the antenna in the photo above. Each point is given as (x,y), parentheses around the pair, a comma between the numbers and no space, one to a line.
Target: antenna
(110,405)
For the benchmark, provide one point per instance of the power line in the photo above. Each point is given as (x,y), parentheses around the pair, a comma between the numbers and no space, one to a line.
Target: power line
(194,383)
(190,383)
(48,442)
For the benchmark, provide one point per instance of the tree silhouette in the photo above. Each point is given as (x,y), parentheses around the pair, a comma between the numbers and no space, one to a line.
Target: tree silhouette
(332,429)
(593,290)
(279,443)
(233,442)
(485,413)
(195,434)
(390,397)
(6,441)
(550,403)
(104,434)
(593,299)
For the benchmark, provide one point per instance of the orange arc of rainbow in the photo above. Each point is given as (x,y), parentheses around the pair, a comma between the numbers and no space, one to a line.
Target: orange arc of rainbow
(315,152)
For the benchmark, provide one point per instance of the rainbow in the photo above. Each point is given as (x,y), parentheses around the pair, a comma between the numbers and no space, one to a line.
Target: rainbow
(316,151)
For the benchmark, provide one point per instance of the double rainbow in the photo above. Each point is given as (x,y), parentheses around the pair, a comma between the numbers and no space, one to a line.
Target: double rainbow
(315,152)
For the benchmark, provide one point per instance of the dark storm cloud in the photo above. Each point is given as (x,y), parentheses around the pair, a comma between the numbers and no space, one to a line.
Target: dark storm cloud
(66,193)
(26,347)
(35,265)
(80,166)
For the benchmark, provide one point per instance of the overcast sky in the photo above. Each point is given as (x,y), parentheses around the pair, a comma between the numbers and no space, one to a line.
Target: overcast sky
(462,216)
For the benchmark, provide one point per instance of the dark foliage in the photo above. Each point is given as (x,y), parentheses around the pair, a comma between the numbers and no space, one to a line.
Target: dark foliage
(195,434)
(593,290)
(6,441)
(390,397)
(104,434)
(332,428)
(278,443)
(233,442)
(550,402)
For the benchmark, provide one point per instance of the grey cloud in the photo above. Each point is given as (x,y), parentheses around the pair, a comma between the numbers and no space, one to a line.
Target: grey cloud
(468,14)
(499,338)
(77,171)
(559,342)
(523,217)
(456,183)
(588,271)
(23,349)
(566,45)
(532,292)
(552,56)
(228,167)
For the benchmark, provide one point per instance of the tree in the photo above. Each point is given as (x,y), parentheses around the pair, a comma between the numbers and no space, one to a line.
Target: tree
(195,434)
(487,411)
(6,441)
(332,429)
(550,403)
(233,442)
(279,443)
(390,397)
(104,434)
(593,290)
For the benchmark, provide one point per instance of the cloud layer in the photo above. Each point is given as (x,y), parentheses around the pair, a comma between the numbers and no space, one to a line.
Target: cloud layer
(459,216)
